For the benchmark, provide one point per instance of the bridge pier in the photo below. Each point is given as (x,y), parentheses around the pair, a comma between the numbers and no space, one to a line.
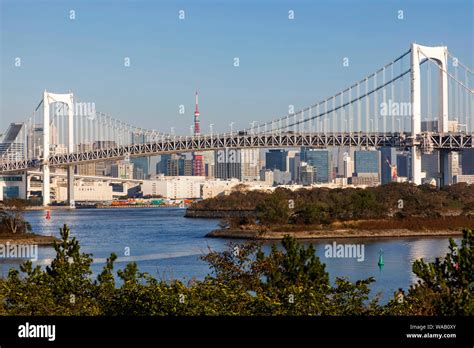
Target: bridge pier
(417,174)
(46,176)
(440,56)
(70,186)
(68,100)
(46,186)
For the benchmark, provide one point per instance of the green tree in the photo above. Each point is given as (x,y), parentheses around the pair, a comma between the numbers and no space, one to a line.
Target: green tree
(274,209)
(313,213)
(445,287)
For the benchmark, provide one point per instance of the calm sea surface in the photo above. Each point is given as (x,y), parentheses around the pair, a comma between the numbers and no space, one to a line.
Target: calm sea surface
(169,246)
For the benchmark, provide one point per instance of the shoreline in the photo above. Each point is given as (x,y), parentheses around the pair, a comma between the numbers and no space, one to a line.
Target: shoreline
(60,207)
(27,239)
(325,234)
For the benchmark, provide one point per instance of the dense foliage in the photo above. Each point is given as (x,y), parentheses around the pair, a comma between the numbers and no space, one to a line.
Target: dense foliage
(11,217)
(395,201)
(244,281)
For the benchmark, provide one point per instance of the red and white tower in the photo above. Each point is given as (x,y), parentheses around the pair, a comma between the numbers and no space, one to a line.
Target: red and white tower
(198,168)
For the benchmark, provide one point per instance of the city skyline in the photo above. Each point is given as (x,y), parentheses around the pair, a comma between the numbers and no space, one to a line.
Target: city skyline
(281,64)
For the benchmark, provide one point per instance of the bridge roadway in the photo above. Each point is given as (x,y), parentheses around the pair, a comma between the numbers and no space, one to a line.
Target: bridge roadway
(176,144)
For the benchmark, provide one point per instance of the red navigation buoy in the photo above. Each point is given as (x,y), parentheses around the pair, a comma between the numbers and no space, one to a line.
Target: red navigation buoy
(48,215)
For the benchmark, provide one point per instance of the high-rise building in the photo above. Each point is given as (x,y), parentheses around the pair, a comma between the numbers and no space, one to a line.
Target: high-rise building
(266,176)
(389,164)
(13,146)
(249,159)
(138,173)
(144,164)
(208,159)
(430,165)
(104,144)
(348,166)
(162,164)
(198,167)
(103,168)
(307,174)
(467,161)
(88,168)
(403,165)
(294,164)
(320,160)
(179,165)
(367,162)
(122,169)
(228,164)
(276,159)
(450,163)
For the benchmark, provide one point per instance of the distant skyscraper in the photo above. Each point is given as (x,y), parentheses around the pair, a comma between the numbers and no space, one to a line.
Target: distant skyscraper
(348,167)
(162,164)
(88,168)
(295,167)
(12,146)
(138,173)
(104,144)
(307,174)
(104,168)
(320,161)
(367,162)
(236,163)
(276,159)
(143,163)
(179,165)
(249,159)
(122,169)
(208,160)
(227,164)
(467,161)
(198,167)
(403,165)
(430,165)
(450,163)
(389,158)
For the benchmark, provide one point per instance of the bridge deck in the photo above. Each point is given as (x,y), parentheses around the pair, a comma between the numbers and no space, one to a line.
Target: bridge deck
(426,141)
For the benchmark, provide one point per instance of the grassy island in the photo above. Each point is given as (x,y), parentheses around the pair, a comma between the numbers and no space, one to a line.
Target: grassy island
(397,209)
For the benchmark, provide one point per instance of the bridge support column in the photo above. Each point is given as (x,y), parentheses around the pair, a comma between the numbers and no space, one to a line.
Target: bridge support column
(70,186)
(68,100)
(26,186)
(70,169)
(417,175)
(46,186)
(418,54)
(46,176)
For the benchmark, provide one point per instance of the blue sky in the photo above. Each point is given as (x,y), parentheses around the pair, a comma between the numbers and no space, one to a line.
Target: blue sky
(282,61)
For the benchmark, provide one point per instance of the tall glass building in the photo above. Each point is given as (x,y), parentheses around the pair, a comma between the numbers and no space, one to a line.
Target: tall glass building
(367,162)
(161,166)
(143,163)
(467,161)
(276,159)
(404,165)
(320,160)
(430,164)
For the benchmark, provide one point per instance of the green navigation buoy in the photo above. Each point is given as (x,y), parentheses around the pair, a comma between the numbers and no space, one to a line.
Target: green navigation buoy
(380,263)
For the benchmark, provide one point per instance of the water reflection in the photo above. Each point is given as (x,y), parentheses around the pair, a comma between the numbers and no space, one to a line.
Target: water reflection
(165,244)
